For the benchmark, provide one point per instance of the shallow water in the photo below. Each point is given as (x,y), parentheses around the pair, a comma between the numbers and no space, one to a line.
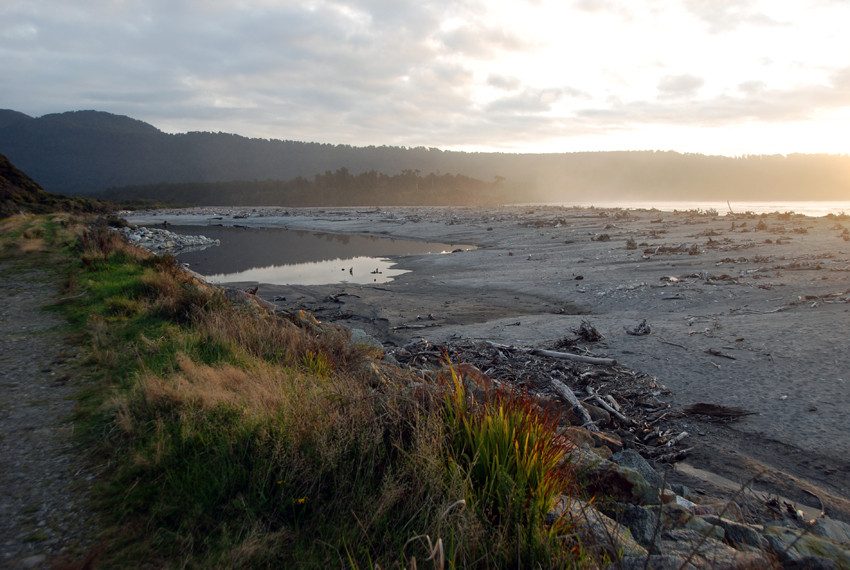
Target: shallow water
(289,257)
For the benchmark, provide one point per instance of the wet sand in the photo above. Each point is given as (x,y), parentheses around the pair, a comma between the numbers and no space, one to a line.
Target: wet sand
(745,311)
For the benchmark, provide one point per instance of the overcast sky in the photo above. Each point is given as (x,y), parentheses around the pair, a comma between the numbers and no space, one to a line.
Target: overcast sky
(711,76)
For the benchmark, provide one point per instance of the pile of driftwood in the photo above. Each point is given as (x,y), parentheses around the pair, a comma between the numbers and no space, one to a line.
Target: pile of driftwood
(620,405)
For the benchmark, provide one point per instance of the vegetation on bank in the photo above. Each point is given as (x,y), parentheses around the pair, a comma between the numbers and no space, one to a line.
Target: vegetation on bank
(230,436)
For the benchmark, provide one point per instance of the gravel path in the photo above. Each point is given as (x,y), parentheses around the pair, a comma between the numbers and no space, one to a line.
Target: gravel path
(44,520)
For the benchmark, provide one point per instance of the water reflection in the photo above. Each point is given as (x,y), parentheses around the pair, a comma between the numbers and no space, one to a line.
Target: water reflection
(288,257)
(360,270)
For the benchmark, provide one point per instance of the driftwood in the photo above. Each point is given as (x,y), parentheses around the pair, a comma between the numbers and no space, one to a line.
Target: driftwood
(608,407)
(640,330)
(416,326)
(576,357)
(715,352)
(564,391)
(555,354)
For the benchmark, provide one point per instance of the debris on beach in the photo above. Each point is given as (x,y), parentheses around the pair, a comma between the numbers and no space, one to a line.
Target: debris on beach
(640,330)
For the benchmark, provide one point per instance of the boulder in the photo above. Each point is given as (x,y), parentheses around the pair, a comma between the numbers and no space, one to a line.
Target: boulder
(611,481)
(361,339)
(737,534)
(633,460)
(702,552)
(795,546)
(832,529)
(610,535)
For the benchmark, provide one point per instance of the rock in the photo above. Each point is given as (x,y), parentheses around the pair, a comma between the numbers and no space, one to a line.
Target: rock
(607,479)
(578,436)
(33,561)
(675,516)
(832,529)
(796,546)
(656,562)
(361,339)
(737,534)
(613,537)
(704,552)
(163,241)
(642,523)
(633,460)
(599,416)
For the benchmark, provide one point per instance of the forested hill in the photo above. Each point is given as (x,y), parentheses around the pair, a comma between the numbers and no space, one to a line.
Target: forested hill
(18,194)
(87,152)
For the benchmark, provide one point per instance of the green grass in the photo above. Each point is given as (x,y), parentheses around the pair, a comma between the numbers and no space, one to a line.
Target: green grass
(232,437)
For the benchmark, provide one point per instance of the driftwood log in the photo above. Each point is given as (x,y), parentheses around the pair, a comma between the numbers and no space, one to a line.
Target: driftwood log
(555,354)
(564,391)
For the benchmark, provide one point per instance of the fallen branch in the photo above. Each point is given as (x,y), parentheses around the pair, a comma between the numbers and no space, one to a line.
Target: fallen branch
(608,407)
(564,391)
(661,340)
(575,357)
(555,354)
(715,352)
(404,327)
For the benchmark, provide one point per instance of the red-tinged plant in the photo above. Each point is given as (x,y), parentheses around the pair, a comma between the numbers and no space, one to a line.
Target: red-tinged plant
(512,455)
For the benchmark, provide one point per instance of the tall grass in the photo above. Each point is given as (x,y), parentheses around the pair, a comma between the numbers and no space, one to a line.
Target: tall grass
(232,436)
(515,463)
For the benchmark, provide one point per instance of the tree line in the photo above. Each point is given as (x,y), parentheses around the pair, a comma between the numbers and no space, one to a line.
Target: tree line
(332,188)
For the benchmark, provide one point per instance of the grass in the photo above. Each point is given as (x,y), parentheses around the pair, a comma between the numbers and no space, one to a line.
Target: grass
(233,437)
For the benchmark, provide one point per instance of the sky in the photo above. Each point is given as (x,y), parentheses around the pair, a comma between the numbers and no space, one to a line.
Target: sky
(705,76)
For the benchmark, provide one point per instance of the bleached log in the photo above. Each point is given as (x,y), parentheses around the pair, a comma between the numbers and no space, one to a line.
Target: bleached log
(575,357)
(608,407)
(564,391)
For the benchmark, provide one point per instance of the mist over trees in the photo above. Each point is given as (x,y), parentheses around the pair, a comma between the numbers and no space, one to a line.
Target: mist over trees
(90,152)
(338,188)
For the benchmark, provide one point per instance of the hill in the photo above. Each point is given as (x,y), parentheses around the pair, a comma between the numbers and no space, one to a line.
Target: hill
(19,193)
(87,152)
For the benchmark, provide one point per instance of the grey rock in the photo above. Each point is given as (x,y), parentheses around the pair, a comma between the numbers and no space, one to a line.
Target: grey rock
(656,562)
(738,534)
(642,523)
(33,561)
(633,460)
(832,529)
(794,546)
(361,338)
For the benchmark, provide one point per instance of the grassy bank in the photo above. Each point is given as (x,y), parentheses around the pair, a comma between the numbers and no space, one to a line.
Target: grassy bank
(233,436)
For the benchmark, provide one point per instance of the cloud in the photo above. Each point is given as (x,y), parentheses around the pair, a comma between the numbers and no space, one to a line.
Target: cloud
(750,102)
(726,15)
(675,86)
(483,42)
(432,73)
(531,100)
(503,82)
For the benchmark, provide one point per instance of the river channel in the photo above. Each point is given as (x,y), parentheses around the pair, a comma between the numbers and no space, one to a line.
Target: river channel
(293,257)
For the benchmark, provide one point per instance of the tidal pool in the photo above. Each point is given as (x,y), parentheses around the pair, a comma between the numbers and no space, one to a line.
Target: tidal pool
(294,257)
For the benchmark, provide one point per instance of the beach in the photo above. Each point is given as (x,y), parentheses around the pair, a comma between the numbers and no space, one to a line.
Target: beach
(741,310)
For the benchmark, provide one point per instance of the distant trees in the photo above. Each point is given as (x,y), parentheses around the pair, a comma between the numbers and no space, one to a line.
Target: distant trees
(88,152)
(333,188)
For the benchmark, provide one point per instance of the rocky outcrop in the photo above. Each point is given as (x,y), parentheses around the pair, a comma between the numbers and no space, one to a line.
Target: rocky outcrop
(642,522)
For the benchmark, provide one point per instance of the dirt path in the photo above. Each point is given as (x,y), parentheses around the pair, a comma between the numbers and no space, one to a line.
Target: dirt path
(44,520)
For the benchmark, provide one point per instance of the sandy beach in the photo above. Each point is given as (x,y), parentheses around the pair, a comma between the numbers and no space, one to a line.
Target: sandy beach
(746,311)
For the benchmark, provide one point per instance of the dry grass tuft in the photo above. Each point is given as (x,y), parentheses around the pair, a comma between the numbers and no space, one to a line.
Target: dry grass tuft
(261,392)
